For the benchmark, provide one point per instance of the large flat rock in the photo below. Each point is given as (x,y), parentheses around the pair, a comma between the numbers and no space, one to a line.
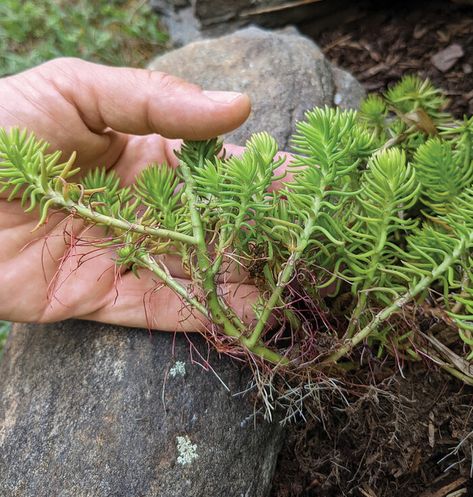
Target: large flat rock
(94,410)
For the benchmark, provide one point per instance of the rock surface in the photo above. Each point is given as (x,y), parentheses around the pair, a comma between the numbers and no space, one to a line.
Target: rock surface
(94,411)
(284,73)
(188,20)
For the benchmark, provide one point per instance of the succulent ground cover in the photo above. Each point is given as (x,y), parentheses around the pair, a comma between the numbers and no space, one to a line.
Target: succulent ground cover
(365,250)
(409,432)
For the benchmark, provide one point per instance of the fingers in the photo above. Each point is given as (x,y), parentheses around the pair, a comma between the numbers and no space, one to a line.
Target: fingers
(145,303)
(140,151)
(139,101)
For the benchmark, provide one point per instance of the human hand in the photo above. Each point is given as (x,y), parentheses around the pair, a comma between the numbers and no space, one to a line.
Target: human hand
(113,117)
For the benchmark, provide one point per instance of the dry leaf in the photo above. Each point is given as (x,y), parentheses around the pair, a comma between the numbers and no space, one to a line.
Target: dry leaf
(422,120)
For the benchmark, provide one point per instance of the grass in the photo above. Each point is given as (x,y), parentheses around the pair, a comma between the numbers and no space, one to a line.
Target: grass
(113,32)
(5,328)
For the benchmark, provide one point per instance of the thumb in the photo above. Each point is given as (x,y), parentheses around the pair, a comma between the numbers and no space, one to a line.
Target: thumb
(140,101)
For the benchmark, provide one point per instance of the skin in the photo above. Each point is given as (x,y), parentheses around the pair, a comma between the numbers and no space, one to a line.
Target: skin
(124,119)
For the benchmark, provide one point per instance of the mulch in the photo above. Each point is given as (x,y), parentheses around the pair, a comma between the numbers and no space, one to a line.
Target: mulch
(380,42)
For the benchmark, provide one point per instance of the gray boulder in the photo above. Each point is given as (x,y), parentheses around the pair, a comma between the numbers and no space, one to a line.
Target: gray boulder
(98,411)
(284,73)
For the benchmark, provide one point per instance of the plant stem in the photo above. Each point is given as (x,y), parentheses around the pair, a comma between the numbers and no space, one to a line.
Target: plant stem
(226,239)
(455,372)
(399,303)
(102,219)
(456,309)
(396,140)
(284,277)
(221,314)
(373,265)
(286,274)
(222,244)
(148,262)
(266,354)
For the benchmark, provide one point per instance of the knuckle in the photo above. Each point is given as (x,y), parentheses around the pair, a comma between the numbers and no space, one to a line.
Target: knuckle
(63,63)
(167,82)
(64,73)
(162,80)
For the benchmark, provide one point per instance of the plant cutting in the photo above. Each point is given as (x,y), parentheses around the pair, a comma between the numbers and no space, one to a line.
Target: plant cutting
(366,245)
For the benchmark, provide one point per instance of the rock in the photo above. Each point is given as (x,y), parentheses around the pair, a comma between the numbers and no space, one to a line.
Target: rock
(348,92)
(99,411)
(284,73)
(188,20)
(94,410)
(182,26)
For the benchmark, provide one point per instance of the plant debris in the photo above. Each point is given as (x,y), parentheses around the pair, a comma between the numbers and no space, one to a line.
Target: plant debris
(409,437)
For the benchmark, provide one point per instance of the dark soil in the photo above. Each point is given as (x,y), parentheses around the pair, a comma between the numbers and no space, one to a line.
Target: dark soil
(410,435)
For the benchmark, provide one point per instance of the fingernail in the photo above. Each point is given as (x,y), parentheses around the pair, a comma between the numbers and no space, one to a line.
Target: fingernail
(223,97)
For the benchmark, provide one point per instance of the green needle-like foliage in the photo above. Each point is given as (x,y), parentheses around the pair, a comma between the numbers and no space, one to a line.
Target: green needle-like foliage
(374,111)
(412,93)
(443,172)
(157,188)
(368,241)
(25,165)
(109,198)
(388,188)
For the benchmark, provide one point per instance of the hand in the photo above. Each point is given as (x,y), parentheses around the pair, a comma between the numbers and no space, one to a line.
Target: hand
(120,118)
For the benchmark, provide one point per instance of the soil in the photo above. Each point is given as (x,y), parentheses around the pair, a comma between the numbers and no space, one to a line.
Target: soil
(410,434)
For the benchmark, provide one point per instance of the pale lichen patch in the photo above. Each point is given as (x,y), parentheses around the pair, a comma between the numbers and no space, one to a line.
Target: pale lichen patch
(179,369)
(187,450)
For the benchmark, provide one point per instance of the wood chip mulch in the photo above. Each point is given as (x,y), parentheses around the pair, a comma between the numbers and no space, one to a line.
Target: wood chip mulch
(380,42)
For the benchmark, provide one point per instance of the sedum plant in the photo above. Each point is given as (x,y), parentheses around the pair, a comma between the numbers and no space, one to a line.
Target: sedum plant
(367,243)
